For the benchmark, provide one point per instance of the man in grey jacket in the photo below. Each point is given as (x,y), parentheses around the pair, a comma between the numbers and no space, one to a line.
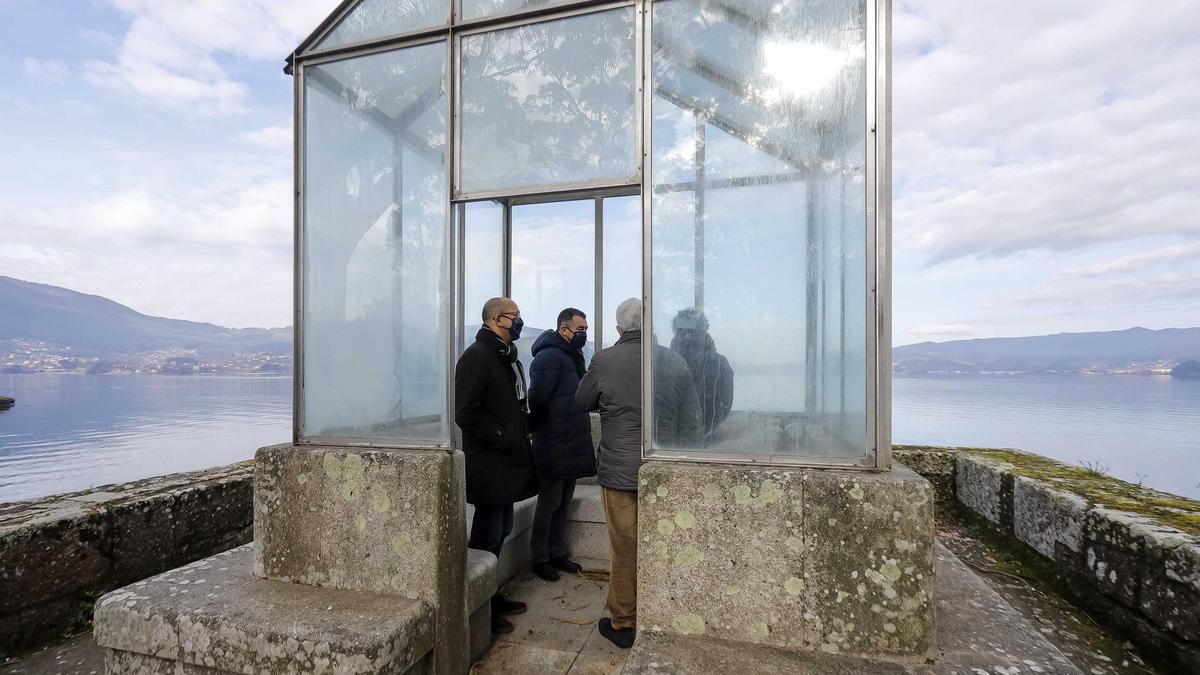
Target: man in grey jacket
(613,385)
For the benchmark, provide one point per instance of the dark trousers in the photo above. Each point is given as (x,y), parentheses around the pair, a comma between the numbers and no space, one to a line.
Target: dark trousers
(490,527)
(549,535)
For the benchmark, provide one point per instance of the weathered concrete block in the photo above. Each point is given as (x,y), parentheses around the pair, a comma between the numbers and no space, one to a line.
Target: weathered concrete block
(935,465)
(979,485)
(40,562)
(588,540)
(1113,553)
(721,553)
(1050,521)
(383,521)
(747,554)
(868,581)
(213,614)
(1170,589)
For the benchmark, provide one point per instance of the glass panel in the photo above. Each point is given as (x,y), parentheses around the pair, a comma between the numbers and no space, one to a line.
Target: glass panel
(476,9)
(622,260)
(553,265)
(759,226)
(373,19)
(483,256)
(374,246)
(549,103)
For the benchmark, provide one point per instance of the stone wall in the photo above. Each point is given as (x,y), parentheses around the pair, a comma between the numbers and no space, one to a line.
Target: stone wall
(59,553)
(1129,556)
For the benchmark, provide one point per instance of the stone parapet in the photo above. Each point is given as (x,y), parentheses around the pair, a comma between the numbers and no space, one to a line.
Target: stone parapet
(1127,554)
(58,553)
(800,559)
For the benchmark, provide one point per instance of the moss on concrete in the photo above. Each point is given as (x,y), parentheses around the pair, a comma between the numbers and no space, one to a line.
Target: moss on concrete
(1097,488)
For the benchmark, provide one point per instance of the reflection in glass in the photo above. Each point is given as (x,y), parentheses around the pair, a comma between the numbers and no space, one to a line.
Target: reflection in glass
(759,219)
(374,246)
(549,103)
(553,265)
(373,19)
(483,256)
(622,260)
(475,9)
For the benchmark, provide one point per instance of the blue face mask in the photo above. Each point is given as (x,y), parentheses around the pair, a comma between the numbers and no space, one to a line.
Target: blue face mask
(578,340)
(514,331)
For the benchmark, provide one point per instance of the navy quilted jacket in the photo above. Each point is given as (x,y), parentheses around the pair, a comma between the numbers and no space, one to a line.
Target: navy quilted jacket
(562,431)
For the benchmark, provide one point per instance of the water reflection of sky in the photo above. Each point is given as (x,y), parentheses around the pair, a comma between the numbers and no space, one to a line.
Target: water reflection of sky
(70,432)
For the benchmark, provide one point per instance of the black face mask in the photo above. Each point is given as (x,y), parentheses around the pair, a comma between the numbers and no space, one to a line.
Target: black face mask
(514,330)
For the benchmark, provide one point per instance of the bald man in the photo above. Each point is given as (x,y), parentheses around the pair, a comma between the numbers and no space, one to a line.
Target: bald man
(491,408)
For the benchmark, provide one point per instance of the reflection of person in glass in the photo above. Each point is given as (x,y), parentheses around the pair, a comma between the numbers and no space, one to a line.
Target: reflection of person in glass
(613,385)
(491,409)
(710,370)
(562,439)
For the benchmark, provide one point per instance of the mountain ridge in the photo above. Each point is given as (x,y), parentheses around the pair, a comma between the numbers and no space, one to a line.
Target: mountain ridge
(92,325)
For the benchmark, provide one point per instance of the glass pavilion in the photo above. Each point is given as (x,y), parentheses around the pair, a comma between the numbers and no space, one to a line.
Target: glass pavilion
(726,161)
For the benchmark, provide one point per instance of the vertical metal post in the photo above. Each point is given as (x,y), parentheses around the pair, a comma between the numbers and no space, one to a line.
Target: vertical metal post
(597,321)
(699,208)
(812,290)
(507,248)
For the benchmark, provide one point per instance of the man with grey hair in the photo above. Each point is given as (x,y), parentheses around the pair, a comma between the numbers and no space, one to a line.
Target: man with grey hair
(613,385)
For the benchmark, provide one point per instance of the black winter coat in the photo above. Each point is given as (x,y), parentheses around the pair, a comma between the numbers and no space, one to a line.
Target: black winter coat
(713,377)
(493,422)
(562,431)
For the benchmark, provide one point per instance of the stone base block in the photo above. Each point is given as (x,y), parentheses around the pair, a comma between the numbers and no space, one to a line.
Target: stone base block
(214,616)
(588,540)
(379,521)
(805,560)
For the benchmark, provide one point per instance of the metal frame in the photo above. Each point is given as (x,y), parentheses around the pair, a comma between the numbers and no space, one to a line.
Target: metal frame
(878,188)
(597,195)
(878,265)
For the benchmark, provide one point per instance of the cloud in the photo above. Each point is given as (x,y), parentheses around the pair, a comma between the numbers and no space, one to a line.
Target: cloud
(42,70)
(276,137)
(1187,252)
(1055,127)
(168,57)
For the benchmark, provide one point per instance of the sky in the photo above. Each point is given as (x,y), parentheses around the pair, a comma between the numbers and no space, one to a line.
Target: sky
(1046,160)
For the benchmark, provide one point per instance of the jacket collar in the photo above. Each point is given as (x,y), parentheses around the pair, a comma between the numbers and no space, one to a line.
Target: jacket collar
(630,336)
(507,351)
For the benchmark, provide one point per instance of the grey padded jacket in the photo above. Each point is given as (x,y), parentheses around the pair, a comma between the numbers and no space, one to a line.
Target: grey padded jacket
(613,385)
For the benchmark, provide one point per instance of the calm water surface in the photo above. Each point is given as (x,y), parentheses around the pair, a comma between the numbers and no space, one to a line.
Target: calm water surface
(1141,427)
(70,432)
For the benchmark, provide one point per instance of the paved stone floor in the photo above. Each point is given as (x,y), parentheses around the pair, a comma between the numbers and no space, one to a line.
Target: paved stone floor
(558,634)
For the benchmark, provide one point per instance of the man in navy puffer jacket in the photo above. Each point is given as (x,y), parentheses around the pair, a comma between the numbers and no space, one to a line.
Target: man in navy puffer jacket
(562,438)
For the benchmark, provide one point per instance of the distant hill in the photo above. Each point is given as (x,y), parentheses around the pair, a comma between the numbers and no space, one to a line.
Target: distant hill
(94,326)
(1132,350)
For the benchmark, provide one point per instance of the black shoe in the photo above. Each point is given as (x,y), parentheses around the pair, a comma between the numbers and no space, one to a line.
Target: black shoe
(502,606)
(567,565)
(621,637)
(501,625)
(545,571)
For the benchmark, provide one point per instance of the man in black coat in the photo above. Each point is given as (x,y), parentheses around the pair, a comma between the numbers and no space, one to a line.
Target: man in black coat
(562,439)
(491,408)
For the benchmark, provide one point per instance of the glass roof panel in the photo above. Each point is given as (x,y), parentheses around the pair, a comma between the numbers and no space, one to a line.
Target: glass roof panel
(372,19)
